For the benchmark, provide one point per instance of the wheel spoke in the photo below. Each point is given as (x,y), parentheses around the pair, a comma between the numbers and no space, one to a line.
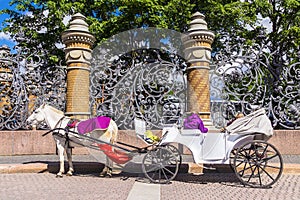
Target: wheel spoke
(271,177)
(266,147)
(271,157)
(165,175)
(154,168)
(156,165)
(244,169)
(270,166)
(252,173)
(169,171)
(260,182)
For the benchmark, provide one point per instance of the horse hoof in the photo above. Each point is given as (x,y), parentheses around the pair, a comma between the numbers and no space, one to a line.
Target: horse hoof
(109,176)
(105,175)
(59,176)
(69,174)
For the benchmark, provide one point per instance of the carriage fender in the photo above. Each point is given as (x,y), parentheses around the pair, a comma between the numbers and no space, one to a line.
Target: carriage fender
(191,138)
(235,141)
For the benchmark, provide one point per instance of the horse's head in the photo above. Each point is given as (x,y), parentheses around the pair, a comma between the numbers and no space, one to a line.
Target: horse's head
(37,116)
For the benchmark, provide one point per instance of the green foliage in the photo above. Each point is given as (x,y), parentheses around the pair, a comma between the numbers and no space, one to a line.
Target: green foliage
(41,21)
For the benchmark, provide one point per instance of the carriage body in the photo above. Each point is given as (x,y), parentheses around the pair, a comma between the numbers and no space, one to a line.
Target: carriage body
(244,146)
(206,148)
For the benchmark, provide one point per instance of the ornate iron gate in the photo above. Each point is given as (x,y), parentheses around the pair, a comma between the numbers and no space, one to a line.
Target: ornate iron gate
(148,87)
(25,83)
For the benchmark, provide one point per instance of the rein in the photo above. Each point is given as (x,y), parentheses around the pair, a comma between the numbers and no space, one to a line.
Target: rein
(55,128)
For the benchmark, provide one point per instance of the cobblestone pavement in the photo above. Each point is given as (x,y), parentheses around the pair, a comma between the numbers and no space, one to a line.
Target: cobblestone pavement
(186,186)
(226,186)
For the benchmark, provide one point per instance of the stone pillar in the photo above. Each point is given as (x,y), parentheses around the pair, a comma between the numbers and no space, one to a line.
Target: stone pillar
(79,42)
(197,52)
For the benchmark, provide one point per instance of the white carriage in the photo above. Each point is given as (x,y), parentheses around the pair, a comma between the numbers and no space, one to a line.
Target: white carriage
(243,146)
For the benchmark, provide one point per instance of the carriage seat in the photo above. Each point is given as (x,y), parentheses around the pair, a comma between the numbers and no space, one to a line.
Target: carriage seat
(100,123)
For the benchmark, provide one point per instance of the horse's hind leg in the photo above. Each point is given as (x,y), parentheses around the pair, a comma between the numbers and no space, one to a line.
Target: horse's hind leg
(69,156)
(107,170)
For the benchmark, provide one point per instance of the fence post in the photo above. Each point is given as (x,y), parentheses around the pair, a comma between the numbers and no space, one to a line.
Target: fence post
(198,53)
(79,42)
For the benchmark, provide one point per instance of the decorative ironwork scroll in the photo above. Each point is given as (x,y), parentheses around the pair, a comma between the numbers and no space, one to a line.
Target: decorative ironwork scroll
(249,77)
(140,84)
(25,83)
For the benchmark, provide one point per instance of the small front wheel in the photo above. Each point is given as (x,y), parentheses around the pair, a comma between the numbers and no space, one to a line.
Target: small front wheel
(258,164)
(175,151)
(160,165)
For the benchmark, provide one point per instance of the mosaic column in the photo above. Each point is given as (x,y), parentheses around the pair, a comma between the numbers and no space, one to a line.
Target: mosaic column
(198,53)
(79,42)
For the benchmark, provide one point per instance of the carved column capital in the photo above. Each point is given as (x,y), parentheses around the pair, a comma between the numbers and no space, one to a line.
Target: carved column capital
(78,41)
(198,42)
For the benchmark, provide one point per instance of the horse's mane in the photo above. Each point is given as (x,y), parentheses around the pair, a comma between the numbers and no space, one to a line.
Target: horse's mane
(56,110)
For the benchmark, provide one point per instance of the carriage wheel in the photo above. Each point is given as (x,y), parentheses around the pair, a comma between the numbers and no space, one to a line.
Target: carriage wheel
(231,158)
(176,153)
(258,164)
(160,165)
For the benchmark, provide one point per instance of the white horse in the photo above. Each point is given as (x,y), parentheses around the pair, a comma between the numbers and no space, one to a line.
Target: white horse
(56,119)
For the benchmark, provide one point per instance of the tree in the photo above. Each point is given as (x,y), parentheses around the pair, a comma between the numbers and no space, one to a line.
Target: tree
(41,21)
(243,19)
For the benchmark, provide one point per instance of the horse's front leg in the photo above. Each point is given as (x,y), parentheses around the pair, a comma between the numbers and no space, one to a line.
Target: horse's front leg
(69,156)
(61,149)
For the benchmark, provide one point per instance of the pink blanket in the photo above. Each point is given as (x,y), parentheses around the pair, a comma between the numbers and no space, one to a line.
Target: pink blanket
(89,125)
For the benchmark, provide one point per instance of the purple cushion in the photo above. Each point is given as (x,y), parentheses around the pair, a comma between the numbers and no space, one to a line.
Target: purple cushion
(89,125)
(194,122)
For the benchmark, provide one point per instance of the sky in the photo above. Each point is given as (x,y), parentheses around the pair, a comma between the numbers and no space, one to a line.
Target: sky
(4,39)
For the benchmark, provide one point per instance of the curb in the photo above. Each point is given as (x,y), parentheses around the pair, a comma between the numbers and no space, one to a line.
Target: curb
(94,167)
(23,168)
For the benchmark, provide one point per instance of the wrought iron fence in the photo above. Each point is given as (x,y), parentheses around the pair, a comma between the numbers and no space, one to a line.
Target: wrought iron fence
(251,76)
(154,87)
(25,83)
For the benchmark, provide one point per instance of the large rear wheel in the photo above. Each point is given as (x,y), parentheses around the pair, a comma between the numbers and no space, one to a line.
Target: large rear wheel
(258,164)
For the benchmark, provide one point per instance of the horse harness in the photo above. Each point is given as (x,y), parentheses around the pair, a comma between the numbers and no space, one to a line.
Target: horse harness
(57,131)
